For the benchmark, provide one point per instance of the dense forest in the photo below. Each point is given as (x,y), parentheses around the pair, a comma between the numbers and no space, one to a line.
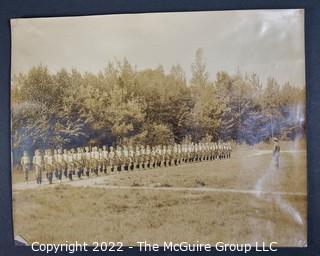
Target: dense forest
(124,105)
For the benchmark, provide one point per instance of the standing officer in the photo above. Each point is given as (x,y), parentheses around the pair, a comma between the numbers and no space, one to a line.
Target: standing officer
(276,153)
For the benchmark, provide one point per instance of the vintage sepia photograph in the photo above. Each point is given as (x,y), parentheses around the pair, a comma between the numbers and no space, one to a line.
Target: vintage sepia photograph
(181,126)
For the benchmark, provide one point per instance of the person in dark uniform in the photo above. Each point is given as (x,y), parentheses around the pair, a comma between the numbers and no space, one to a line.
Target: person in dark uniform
(276,153)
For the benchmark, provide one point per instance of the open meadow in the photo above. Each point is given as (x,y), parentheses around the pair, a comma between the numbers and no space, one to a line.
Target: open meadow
(242,199)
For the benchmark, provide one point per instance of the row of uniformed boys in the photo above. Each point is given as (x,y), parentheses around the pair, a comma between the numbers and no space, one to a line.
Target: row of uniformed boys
(60,163)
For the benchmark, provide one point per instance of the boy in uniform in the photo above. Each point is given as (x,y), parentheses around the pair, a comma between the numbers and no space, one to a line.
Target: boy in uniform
(49,165)
(37,162)
(70,164)
(104,157)
(118,158)
(26,165)
(169,155)
(153,156)
(126,159)
(211,151)
(87,161)
(65,162)
(229,150)
(142,157)
(179,154)
(55,165)
(100,160)
(74,157)
(78,162)
(147,157)
(164,155)
(175,154)
(208,152)
(137,158)
(159,156)
(225,150)
(131,159)
(59,163)
(111,156)
(95,160)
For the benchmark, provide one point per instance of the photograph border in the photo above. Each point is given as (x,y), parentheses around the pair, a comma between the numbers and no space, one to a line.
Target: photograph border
(55,8)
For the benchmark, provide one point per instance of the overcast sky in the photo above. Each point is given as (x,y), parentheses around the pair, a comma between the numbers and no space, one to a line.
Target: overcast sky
(267,42)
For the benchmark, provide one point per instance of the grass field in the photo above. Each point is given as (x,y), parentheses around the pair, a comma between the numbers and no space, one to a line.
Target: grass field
(134,212)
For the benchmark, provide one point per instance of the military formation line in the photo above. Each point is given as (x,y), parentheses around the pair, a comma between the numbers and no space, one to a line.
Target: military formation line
(85,162)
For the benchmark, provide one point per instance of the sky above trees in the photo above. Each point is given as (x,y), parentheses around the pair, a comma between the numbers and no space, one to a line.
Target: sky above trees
(268,43)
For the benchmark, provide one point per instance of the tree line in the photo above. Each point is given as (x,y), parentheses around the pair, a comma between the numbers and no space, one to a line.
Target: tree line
(124,105)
